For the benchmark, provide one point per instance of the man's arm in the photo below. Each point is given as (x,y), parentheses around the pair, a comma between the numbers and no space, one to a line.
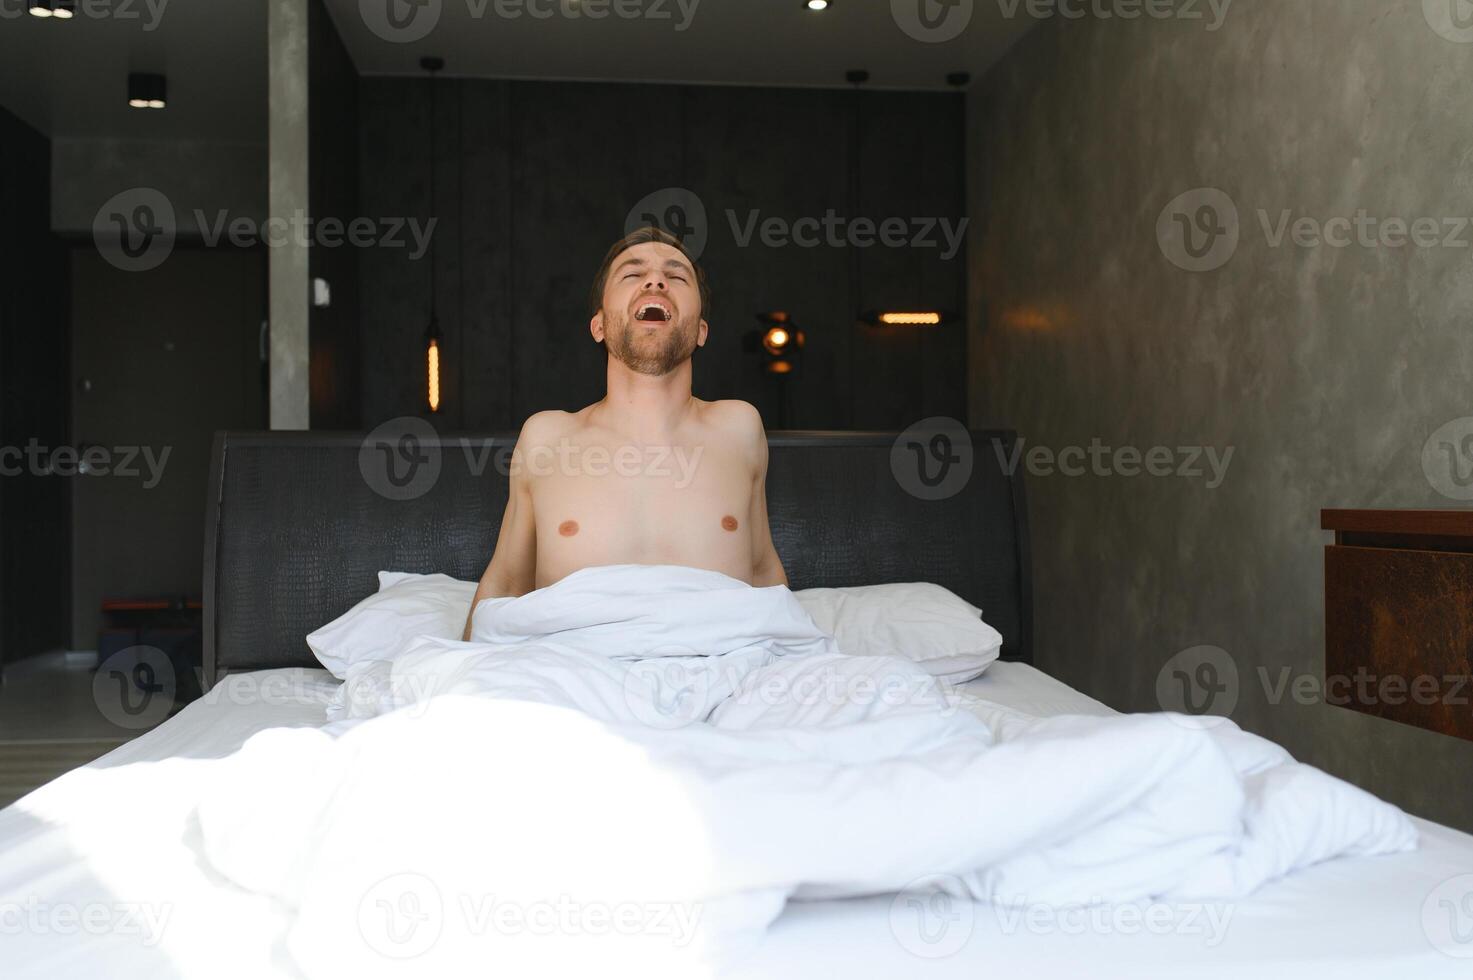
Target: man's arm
(767,567)
(513,567)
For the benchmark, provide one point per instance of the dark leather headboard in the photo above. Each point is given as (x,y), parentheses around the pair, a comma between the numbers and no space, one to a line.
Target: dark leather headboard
(296,532)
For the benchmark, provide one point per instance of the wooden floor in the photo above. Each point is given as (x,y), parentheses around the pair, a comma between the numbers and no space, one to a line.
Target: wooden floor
(24,766)
(51,721)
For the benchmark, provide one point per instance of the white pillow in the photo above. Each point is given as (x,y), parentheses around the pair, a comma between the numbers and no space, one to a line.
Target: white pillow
(930,626)
(405,606)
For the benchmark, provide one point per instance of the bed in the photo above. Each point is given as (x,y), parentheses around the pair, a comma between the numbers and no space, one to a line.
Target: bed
(100,872)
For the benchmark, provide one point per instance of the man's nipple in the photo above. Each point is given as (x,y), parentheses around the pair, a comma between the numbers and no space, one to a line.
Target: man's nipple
(568,528)
(729,523)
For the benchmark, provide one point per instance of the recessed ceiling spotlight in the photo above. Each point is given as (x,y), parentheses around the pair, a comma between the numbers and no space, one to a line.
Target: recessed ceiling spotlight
(147,91)
(816,4)
(41,8)
(63,9)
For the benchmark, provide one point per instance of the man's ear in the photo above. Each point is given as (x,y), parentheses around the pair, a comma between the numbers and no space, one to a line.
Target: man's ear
(701,334)
(596,326)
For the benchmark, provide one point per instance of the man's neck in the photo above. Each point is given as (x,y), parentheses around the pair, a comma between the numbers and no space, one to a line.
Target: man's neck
(645,407)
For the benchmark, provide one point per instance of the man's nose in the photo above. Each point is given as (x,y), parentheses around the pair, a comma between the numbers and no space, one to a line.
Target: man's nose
(655,282)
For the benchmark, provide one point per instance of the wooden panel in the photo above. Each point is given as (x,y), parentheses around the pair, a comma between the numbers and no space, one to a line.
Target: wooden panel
(477,359)
(754,155)
(536,180)
(582,157)
(1447,523)
(910,166)
(1398,635)
(394,134)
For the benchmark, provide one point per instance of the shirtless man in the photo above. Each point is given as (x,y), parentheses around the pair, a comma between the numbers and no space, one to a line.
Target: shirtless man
(649,474)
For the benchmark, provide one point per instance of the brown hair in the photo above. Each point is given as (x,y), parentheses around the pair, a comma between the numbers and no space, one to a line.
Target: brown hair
(643,236)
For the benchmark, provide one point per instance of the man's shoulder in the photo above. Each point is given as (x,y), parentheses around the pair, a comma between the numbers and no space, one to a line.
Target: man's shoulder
(740,425)
(735,416)
(547,427)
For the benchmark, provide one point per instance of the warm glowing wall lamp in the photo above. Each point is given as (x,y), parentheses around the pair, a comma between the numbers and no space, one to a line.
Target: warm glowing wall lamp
(147,91)
(432,363)
(904,318)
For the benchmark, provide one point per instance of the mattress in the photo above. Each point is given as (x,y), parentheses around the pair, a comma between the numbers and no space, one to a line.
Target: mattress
(99,876)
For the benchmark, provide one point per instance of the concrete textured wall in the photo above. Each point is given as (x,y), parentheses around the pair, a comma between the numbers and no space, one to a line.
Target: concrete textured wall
(1326,367)
(288,196)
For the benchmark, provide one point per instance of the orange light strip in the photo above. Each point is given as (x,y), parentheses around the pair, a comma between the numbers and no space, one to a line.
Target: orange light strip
(434,375)
(910,319)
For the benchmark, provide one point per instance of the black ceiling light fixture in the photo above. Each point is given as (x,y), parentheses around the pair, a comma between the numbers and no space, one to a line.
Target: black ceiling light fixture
(147,91)
(58,9)
(433,336)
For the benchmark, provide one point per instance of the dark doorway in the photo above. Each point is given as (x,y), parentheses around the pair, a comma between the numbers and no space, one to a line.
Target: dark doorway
(160,360)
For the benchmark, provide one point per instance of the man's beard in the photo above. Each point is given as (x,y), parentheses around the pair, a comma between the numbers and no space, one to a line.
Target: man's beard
(656,354)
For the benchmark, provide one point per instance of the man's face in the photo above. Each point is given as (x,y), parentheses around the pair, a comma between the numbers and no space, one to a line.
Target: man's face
(651,315)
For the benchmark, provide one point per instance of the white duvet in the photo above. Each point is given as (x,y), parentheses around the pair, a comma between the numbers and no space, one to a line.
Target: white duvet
(631,772)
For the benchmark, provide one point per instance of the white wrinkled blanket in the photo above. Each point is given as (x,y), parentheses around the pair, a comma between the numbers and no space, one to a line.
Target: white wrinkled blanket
(632,770)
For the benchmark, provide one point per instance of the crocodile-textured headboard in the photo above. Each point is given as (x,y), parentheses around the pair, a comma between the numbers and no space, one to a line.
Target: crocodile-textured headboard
(299,524)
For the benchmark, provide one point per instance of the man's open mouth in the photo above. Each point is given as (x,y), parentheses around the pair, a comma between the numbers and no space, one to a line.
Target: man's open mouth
(653,311)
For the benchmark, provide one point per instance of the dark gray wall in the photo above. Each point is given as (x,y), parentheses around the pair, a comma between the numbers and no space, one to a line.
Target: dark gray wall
(1326,368)
(536,180)
(34,514)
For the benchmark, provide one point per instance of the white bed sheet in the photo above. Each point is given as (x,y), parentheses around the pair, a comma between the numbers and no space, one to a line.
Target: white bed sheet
(98,877)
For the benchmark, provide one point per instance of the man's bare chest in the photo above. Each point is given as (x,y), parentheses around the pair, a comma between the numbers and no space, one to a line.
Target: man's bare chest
(653,496)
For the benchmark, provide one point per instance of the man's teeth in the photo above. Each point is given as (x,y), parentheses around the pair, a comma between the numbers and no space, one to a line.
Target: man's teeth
(660,312)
